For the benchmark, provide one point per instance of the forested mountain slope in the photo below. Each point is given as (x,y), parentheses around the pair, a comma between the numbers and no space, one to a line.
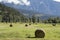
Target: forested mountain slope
(8,14)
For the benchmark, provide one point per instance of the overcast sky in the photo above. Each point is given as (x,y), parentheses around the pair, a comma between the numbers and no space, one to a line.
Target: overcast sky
(21,2)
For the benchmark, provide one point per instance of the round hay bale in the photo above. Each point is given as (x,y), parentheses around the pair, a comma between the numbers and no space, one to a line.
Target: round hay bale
(39,34)
(26,25)
(11,25)
(29,24)
(54,24)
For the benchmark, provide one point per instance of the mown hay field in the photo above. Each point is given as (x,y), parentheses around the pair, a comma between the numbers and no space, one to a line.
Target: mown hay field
(20,31)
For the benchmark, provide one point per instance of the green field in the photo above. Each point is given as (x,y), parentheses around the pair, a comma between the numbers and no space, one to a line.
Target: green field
(19,31)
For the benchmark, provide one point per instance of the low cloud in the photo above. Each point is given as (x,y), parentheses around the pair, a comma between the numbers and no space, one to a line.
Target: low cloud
(21,2)
(57,0)
(26,2)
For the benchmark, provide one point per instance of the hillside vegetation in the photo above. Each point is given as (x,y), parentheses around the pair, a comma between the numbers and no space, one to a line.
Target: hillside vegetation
(8,14)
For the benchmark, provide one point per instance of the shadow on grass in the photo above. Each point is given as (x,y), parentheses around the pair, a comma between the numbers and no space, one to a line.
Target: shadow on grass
(32,37)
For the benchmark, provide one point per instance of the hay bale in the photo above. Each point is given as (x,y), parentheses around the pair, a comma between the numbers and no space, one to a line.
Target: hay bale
(11,25)
(54,24)
(26,25)
(30,24)
(39,34)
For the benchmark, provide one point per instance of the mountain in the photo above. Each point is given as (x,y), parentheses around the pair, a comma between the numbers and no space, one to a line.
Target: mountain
(8,14)
(40,8)
(49,7)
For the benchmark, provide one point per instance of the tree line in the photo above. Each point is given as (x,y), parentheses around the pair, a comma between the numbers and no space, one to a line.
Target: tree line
(52,20)
(8,14)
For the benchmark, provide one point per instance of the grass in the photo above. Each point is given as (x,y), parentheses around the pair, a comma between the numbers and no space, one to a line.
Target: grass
(19,31)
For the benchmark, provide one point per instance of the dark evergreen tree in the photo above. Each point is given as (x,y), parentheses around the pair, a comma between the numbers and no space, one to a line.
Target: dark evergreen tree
(33,19)
(38,19)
